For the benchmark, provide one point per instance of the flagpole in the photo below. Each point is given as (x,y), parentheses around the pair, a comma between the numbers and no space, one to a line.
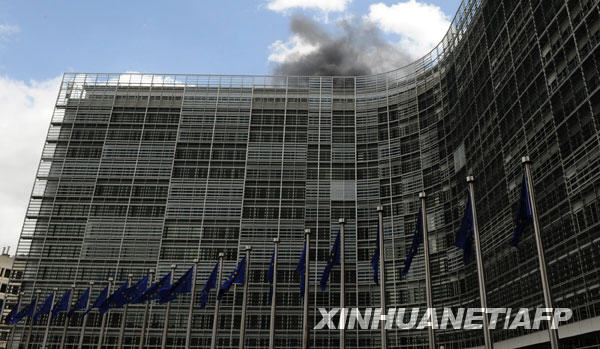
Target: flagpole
(12,334)
(306,283)
(124,316)
(382,276)
(85,316)
(146,309)
(245,299)
(213,340)
(45,340)
(188,332)
(342,222)
(553,333)
(489,344)
(163,344)
(31,319)
(430,333)
(66,324)
(274,295)
(103,324)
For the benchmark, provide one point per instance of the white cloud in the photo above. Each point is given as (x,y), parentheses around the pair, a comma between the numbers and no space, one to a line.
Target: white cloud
(25,111)
(322,5)
(7,30)
(290,50)
(421,26)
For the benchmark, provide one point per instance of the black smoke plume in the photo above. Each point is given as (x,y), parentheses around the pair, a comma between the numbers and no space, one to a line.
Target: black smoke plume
(358,49)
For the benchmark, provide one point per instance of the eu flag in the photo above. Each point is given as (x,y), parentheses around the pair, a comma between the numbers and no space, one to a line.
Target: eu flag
(237,276)
(301,270)
(44,308)
(81,302)
(524,214)
(27,311)
(334,259)
(136,291)
(464,237)
(101,299)
(375,258)
(271,277)
(210,284)
(155,290)
(117,299)
(62,304)
(414,247)
(183,285)
(10,318)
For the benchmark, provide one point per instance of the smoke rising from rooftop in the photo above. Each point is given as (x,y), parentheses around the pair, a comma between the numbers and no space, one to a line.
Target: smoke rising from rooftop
(357,49)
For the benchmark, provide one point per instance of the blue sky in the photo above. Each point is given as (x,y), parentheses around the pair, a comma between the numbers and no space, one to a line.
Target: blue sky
(224,37)
(39,40)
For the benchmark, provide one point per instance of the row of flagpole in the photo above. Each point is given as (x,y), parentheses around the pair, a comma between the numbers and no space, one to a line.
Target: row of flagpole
(467,236)
(161,290)
(166,291)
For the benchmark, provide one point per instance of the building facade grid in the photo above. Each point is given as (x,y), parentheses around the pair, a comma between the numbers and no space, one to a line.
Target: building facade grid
(141,171)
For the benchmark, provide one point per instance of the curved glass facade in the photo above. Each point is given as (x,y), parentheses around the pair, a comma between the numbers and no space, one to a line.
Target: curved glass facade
(142,171)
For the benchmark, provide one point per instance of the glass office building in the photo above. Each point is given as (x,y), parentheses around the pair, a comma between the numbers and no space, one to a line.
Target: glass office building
(143,171)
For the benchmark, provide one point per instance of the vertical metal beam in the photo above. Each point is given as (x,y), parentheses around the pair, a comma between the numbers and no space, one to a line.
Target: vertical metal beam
(245,299)
(342,326)
(45,340)
(188,331)
(28,340)
(104,316)
(480,273)
(124,316)
(553,333)
(14,327)
(382,276)
(66,324)
(274,294)
(146,311)
(305,329)
(84,321)
(430,333)
(213,340)
(163,344)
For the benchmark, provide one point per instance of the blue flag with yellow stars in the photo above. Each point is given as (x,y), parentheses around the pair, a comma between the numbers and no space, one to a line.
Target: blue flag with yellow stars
(210,284)
(271,277)
(27,311)
(115,300)
(237,276)
(414,247)
(301,270)
(81,302)
(182,285)
(10,318)
(524,214)
(44,308)
(375,258)
(464,237)
(136,290)
(334,259)
(155,290)
(100,300)
(62,304)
